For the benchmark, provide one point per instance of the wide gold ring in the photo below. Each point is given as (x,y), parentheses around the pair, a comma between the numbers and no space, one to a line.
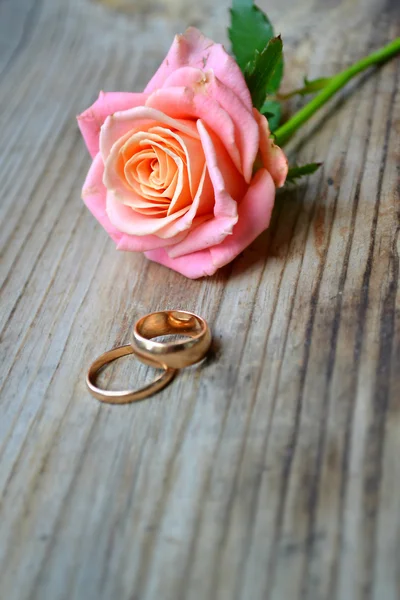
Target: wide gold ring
(127,396)
(177,354)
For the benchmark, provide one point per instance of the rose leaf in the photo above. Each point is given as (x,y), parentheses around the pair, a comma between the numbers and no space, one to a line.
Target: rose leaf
(250,30)
(260,72)
(272,110)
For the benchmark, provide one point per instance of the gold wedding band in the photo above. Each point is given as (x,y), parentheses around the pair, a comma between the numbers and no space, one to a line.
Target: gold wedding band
(127,396)
(177,354)
(168,356)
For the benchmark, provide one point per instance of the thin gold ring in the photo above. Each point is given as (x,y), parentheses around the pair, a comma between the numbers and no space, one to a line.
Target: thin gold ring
(177,354)
(127,396)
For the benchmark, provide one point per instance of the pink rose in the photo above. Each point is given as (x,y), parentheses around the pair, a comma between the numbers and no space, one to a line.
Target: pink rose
(174,169)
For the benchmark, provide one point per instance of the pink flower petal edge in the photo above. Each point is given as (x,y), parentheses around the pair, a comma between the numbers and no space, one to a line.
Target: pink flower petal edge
(193,49)
(254,217)
(91,120)
(207,86)
(94,196)
(273,158)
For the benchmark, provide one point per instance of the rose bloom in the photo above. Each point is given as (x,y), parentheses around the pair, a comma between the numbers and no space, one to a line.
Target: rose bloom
(186,171)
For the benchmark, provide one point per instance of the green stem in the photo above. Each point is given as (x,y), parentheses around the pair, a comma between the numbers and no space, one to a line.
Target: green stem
(283,133)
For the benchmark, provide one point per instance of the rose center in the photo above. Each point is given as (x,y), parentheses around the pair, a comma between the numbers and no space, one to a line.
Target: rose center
(155,177)
(156,171)
(152,169)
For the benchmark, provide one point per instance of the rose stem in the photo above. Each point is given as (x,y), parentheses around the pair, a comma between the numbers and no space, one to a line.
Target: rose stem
(283,133)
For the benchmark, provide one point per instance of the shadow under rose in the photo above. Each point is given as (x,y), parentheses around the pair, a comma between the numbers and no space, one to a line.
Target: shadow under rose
(275,241)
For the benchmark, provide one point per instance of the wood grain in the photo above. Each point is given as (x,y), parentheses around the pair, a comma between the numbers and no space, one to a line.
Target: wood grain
(272,471)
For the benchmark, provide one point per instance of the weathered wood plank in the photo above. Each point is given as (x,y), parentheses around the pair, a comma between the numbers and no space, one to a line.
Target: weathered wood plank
(269,472)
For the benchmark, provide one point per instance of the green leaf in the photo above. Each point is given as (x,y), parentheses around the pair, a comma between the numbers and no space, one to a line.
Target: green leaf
(275,81)
(273,111)
(250,30)
(260,71)
(298,172)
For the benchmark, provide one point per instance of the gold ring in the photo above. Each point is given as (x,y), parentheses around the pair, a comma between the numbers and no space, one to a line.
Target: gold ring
(177,354)
(127,396)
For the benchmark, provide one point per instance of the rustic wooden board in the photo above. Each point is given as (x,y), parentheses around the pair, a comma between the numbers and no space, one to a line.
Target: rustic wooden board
(272,471)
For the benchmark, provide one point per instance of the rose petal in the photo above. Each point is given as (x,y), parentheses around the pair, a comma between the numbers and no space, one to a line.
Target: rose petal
(192,49)
(129,191)
(196,79)
(273,158)
(254,217)
(128,220)
(225,211)
(227,182)
(143,243)
(91,120)
(194,155)
(181,197)
(94,196)
(207,234)
(199,211)
(198,264)
(246,127)
(183,103)
(137,119)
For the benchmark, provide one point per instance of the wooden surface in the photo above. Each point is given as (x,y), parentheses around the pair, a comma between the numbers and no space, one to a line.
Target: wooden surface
(272,471)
